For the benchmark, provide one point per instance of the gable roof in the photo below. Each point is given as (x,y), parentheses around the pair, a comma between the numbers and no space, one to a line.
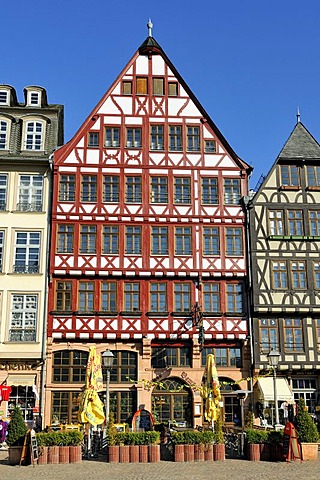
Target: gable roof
(300,144)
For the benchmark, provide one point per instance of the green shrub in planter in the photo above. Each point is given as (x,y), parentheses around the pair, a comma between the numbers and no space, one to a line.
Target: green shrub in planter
(218,429)
(74,438)
(256,436)
(152,437)
(275,436)
(17,429)
(207,437)
(177,438)
(51,439)
(306,429)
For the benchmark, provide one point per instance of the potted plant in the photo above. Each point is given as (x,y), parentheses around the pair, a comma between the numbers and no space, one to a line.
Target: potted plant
(307,432)
(219,452)
(208,437)
(113,449)
(272,448)
(254,438)
(42,448)
(75,439)
(16,433)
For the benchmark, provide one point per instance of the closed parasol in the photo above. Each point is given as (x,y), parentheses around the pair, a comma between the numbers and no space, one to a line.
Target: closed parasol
(210,390)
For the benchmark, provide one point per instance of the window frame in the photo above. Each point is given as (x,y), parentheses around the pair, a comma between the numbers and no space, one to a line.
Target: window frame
(89,188)
(133,189)
(269,334)
(88,239)
(175,138)
(108,297)
(27,251)
(298,273)
(93,139)
(234,241)
(67,187)
(110,243)
(276,223)
(158,297)
(4,133)
(28,317)
(289,179)
(182,297)
(183,241)
(279,274)
(34,130)
(3,191)
(231,191)
(193,143)
(86,296)
(113,132)
(182,190)
(133,240)
(159,189)
(211,297)
(131,297)
(30,195)
(63,296)
(234,298)
(65,238)
(291,332)
(159,240)
(156,137)
(211,241)
(113,185)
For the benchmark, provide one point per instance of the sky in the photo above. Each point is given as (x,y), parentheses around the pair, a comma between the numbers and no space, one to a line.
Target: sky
(250,63)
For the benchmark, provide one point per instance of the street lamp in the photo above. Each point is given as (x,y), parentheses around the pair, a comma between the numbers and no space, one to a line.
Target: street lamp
(107,360)
(274,357)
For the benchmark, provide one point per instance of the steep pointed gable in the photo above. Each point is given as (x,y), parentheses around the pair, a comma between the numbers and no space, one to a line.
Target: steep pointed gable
(300,144)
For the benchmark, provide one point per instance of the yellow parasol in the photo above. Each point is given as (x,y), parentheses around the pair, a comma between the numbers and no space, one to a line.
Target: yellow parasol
(91,409)
(210,389)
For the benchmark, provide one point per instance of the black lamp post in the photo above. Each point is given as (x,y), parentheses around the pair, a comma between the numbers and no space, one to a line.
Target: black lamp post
(274,357)
(107,360)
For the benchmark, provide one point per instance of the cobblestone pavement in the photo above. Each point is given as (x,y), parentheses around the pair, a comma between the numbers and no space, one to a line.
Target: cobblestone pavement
(98,469)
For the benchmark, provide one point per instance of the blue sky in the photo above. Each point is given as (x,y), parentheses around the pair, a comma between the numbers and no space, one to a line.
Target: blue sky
(250,63)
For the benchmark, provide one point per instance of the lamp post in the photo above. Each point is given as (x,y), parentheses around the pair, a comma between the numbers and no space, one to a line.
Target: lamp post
(274,357)
(107,360)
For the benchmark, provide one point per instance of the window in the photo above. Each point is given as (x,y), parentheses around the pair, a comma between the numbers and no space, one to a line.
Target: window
(110,189)
(175,138)
(158,297)
(133,138)
(127,87)
(172,401)
(3,191)
(307,389)
(231,191)
(133,190)
(27,252)
(88,237)
(295,222)
(224,357)
(293,338)
(210,191)
(109,296)
(123,405)
(276,222)
(159,190)
(4,97)
(131,297)
(124,368)
(159,239)
(25,399)
(1,248)
(156,137)
(33,98)
(289,176)
(30,193)
(211,241)
(234,243)
(141,85)
(317,274)
(182,190)
(279,275)
(23,319)
(93,139)
(172,89)
(313,176)
(86,297)
(158,86)
(317,322)
(3,135)
(182,297)
(64,296)
(210,146)
(183,245)
(67,188)
(234,292)
(211,297)
(89,188)
(69,366)
(65,238)
(298,275)
(65,407)
(112,137)
(269,336)
(133,240)
(314,218)
(110,240)
(166,356)
(193,139)
(34,136)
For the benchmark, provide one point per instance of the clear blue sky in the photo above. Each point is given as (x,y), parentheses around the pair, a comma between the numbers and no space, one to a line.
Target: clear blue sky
(251,63)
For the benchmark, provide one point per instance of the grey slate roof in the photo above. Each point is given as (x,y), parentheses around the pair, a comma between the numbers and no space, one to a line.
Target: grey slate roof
(300,144)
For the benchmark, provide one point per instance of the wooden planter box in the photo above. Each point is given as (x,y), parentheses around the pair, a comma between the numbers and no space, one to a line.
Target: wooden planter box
(42,455)
(208,453)
(154,453)
(265,452)
(53,454)
(179,453)
(219,452)
(113,453)
(15,455)
(64,454)
(75,454)
(143,453)
(134,453)
(199,453)
(254,452)
(309,451)
(189,453)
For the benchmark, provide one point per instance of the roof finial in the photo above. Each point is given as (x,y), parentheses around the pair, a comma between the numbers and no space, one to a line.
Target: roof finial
(298,115)
(150,25)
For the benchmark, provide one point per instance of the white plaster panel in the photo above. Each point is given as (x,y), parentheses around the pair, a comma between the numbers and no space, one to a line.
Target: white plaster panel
(207,132)
(66,207)
(142,65)
(80,144)
(212,161)
(127,325)
(110,170)
(96,124)
(174,105)
(188,263)
(207,263)
(154,325)
(116,120)
(242,326)
(67,169)
(84,335)
(88,170)
(133,121)
(129,71)
(136,264)
(155,264)
(67,324)
(157,65)
(71,158)
(93,156)
(88,326)
(230,264)
(57,335)
(109,106)
(112,323)
(116,90)
(85,261)
(155,171)
(228,162)
(133,157)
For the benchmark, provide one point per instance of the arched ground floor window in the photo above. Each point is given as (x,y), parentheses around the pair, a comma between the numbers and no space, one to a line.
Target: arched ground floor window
(172,401)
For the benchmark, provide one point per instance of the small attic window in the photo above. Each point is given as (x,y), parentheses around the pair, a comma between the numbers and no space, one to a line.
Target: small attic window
(210,146)
(172,89)
(127,87)
(34,98)
(4,97)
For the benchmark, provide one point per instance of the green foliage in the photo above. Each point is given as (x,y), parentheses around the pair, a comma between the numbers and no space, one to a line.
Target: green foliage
(256,436)
(275,436)
(137,438)
(75,438)
(249,418)
(218,429)
(193,437)
(306,429)
(111,431)
(71,438)
(207,437)
(17,429)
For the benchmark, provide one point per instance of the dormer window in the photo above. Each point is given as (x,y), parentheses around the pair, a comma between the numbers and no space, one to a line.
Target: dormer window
(33,98)
(3,135)
(4,97)
(34,136)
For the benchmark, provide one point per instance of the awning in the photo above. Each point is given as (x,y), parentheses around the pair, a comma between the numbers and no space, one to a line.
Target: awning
(266,392)
(21,380)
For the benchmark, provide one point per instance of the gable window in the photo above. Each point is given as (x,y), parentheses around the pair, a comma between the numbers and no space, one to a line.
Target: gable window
(109,296)
(211,241)
(158,297)
(313,176)
(133,138)
(141,85)
(3,135)
(86,296)
(210,146)
(156,137)
(276,222)
(159,241)
(158,86)
(27,252)
(293,336)
(279,275)
(298,275)
(159,190)
(183,245)
(34,136)
(30,193)
(172,89)
(4,97)
(234,243)
(166,356)
(112,137)
(89,188)
(65,238)
(289,176)
(193,139)
(23,318)
(110,240)
(34,99)
(231,191)
(3,191)
(93,139)
(175,138)
(211,297)
(133,240)
(210,191)
(269,336)
(1,248)
(64,296)
(69,366)
(182,297)
(131,297)
(88,239)
(234,292)
(110,189)
(182,190)
(127,87)
(314,219)
(295,222)
(133,190)
(67,188)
